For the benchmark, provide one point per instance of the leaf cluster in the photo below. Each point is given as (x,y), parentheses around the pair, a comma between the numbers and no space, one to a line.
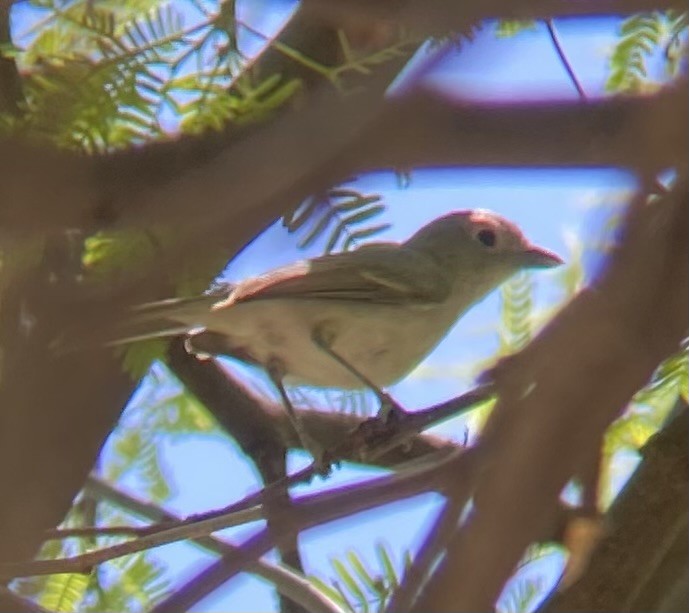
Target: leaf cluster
(344,212)
(356,588)
(641,36)
(133,583)
(106,75)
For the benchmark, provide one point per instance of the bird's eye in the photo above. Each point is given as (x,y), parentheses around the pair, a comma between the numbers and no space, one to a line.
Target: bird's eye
(487,238)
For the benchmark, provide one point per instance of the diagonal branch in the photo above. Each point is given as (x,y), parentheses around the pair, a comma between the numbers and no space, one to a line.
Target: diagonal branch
(248,510)
(550,25)
(256,422)
(640,559)
(286,582)
(309,512)
(306,512)
(442,16)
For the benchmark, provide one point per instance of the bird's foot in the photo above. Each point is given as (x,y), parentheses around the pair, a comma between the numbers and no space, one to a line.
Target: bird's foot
(390,410)
(323,460)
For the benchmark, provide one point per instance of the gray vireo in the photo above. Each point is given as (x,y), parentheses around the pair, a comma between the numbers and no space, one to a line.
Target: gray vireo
(367,316)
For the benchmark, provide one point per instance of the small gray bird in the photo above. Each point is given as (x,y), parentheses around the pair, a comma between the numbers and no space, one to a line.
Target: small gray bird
(355,319)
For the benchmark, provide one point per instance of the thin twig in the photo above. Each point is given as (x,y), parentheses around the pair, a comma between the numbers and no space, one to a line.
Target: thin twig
(457,467)
(412,423)
(385,434)
(308,511)
(57,534)
(286,582)
(243,511)
(563,58)
(655,186)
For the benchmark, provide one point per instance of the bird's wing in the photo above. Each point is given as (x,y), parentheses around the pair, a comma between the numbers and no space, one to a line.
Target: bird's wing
(382,273)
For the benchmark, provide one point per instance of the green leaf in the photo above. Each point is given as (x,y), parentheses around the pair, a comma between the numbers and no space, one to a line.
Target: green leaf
(350,583)
(516,313)
(136,450)
(143,580)
(332,593)
(369,580)
(508,28)
(387,565)
(64,592)
(640,35)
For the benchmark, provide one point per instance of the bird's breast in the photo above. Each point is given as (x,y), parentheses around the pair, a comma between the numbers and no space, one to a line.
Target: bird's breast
(385,342)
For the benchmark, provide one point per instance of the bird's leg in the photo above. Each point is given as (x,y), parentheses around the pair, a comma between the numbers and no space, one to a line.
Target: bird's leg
(389,407)
(276,372)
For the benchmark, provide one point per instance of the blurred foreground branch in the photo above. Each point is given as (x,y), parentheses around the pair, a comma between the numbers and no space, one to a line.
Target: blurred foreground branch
(440,16)
(642,563)
(301,153)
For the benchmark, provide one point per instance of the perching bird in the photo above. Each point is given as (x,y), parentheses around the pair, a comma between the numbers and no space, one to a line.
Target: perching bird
(358,318)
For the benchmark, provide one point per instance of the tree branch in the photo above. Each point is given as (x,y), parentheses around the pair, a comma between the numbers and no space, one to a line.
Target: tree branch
(645,550)
(430,17)
(286,582)
(11,94)
(306,512)
(550,26)
(310,511)
(255,422)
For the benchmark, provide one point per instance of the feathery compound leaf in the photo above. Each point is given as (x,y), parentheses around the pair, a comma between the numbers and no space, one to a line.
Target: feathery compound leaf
(350,583)
(332,593)
(356,588)
(516,308)
(180,414)
(64,592)
(640,35)
(342,227)
(370,581)
(87,69)
(142,579)
(296,218)
(136,450)
(389,572)
(215,105)
(346,209)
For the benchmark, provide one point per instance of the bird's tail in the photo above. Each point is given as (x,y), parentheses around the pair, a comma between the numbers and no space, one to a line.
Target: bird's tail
(146,321)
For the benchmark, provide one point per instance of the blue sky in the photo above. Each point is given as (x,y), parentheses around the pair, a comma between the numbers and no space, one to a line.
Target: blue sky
(551,206)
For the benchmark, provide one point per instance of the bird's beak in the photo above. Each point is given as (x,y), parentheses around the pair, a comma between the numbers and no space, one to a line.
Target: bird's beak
(537,257)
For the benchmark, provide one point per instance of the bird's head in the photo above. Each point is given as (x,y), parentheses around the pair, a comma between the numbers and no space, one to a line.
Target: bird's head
(481,245)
